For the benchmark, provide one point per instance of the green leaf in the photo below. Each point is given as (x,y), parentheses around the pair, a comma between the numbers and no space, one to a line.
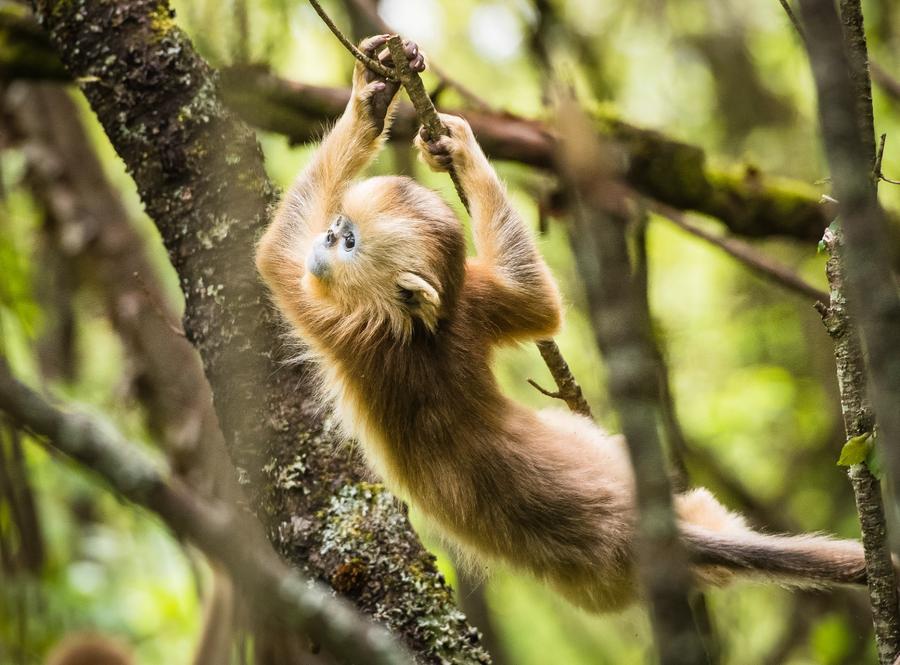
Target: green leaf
(875,462)
(856,450)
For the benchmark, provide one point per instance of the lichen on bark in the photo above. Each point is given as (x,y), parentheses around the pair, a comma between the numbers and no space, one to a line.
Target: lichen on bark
(199,172)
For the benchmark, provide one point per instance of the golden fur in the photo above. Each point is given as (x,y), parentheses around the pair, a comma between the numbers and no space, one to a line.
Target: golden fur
(403,334)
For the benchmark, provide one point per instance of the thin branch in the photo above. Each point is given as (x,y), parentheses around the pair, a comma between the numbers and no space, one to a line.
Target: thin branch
(273,587)
(845,115)
(372,15)
(888,84)
(425,110)
(858,60)
(792,17)
(859,420)
(748,255)
(569,390)
(371,63)
(879,157)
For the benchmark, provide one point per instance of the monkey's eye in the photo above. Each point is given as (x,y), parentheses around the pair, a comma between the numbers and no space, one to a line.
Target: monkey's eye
(349,240)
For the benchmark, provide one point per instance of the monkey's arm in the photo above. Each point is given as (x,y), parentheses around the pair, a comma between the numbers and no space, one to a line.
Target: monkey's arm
(508,280)
(315,196)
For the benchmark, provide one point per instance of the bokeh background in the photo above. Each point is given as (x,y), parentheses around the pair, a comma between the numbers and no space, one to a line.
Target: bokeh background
(751,365)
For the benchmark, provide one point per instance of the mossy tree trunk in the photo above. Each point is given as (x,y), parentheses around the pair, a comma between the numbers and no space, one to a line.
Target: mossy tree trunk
(199,172)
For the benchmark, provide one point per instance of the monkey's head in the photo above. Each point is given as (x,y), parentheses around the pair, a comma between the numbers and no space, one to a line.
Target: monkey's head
(394,255)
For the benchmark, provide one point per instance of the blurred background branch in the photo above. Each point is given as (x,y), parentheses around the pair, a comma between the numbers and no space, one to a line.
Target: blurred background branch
(275,590)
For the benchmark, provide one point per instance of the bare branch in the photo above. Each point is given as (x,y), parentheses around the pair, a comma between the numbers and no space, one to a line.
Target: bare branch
(859,420)
(371,63)
(845,116)
(748,255)
(568,389)
(425,110)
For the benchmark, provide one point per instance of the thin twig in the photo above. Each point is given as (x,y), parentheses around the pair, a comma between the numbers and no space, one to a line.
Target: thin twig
(471,97)
(569,390)
(879,156)
(372,64)
(422,102)
(792,17)
(746,254)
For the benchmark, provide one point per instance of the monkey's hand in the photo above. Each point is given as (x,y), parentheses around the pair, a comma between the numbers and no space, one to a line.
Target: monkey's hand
(373,93)
(442,152)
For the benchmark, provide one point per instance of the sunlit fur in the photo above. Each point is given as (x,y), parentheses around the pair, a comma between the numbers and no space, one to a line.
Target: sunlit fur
(404,334)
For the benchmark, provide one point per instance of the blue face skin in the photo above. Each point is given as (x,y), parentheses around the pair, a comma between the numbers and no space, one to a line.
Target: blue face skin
(338,243)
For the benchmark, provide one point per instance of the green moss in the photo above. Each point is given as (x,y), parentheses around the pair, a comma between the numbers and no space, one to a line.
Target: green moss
(368,538)
(162,20)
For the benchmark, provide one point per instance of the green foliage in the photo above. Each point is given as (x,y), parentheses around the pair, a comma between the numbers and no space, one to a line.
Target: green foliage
(856,450)
(751,366)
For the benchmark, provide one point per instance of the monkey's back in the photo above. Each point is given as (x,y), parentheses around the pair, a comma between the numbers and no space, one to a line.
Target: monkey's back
(545,491)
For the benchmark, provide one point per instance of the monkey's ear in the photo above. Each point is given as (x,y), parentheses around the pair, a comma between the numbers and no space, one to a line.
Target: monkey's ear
(421,297)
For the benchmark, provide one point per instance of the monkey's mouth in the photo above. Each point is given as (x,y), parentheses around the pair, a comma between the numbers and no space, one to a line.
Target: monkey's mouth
(318,262)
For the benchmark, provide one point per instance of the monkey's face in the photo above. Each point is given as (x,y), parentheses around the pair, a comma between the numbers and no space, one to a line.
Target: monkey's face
(388,256)
(333,248)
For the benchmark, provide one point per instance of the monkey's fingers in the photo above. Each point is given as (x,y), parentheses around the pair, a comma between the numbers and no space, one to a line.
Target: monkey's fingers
(413,55)
(437,153)
(370,45)
(435,146)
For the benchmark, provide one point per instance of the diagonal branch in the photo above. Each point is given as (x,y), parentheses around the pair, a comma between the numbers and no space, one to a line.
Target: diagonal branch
(568,388)
(199,172)
(762,265)
(272,587)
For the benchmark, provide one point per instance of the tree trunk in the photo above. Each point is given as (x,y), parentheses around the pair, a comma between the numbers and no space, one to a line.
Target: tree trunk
(199,172)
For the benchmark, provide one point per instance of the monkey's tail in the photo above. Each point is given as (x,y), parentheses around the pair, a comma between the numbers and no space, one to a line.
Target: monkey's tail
(802,560)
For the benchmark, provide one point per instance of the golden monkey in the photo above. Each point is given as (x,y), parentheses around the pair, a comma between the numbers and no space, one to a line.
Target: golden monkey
(373,277)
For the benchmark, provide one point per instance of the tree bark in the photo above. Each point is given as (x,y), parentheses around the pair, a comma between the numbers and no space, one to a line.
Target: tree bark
(871,289)
(199,172)
(860,421)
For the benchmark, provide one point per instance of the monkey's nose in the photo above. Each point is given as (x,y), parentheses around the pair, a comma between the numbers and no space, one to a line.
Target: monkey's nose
(318,262)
